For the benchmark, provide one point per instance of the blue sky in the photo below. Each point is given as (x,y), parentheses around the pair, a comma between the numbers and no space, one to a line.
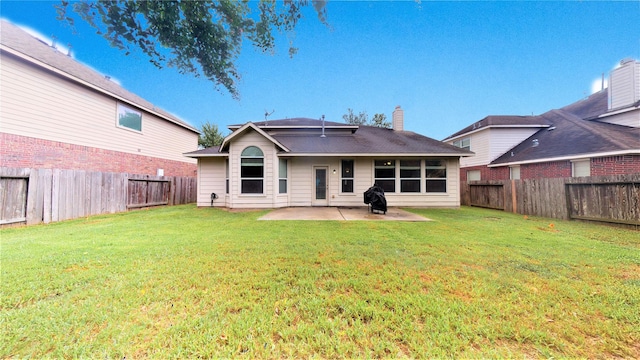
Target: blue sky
(447,64)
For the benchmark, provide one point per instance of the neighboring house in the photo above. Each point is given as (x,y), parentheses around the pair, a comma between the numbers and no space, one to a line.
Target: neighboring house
(58,113)
(307,162)
(599,135)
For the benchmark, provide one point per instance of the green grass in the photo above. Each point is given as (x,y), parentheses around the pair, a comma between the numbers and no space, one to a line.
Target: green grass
(183,282)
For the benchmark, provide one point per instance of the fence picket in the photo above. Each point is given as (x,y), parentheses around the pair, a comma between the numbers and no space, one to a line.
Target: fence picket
(49,195)
(613,199)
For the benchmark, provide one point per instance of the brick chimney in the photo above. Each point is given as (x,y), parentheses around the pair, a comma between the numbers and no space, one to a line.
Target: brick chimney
(398,119)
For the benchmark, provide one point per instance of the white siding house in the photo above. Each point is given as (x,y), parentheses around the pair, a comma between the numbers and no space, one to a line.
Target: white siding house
(306,162)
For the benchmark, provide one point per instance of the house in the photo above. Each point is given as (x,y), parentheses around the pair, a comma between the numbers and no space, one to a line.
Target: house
(307,162)
(598,135)
(58,113)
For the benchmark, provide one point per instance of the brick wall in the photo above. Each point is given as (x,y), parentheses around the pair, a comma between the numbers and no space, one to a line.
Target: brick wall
(486,173)
(604,166)
(616,165)
(555,169)
(26,152)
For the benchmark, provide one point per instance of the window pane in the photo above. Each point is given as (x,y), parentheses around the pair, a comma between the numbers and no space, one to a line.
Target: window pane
(436,173)
(129,118)
(252,186)
(347,168)
(282,185)
(252,151)
(347,186)
(251,162)
(385,173)
(387,185)
(410,164)
(385,163)
(409,185)
(282,169)
(439,186)
(410,173)
(252,171)
(473,175)
(433,163)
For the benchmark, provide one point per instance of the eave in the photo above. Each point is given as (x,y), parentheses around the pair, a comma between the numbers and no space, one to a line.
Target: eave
(536,126)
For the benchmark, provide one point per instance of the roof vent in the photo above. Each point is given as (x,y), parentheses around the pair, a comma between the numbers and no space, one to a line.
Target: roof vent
(551,128)
(535,143)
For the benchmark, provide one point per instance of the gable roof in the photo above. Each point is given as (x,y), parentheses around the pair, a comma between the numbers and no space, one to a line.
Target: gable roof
(244,128)
(571,137)
(353,141)
(20,44)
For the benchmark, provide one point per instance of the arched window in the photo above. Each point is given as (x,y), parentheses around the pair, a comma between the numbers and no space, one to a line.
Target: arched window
(251,170)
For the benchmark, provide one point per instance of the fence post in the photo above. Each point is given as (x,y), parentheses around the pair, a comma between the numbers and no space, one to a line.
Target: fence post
(514,202)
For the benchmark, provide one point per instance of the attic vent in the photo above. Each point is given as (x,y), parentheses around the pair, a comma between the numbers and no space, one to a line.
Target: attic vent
(535,143)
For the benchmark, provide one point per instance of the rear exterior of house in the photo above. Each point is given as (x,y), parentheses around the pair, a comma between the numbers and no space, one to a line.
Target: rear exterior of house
(306,162)
(596,136)
(57,113)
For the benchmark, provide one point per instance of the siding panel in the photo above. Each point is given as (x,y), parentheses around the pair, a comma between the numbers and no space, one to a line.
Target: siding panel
(39,104)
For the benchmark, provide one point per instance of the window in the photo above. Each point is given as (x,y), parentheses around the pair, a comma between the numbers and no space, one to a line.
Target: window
(514,173)
(409,175)
(226,165)
(347,176)
(473,175)
(581,168)
(385,174)
(129,118)
(251,170)
(463,143)
(282,176)
(436,176)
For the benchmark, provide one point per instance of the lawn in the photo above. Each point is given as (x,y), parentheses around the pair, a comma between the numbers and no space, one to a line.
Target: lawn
(183,282)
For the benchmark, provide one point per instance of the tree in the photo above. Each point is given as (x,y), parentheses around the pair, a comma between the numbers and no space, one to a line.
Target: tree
(210,135)
(379,120)
(351,118)
(196,37)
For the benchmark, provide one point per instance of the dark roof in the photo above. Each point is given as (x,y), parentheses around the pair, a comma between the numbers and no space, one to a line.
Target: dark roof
(368,140)
(590,107)
(571,135)
(210,151)
(12,37)
(365,140)
(503,121)
(297,123)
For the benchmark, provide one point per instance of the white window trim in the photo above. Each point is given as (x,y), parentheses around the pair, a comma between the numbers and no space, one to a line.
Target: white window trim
(580,161)
(352,178)
(129,109)
(263,193)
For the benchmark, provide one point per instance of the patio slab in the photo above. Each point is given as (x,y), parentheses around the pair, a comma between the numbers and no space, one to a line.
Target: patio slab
(340,213)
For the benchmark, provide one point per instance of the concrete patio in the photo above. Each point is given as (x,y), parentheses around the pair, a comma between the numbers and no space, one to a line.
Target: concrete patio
(340,213)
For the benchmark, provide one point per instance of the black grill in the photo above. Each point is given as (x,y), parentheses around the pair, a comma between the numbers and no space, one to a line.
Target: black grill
(374,197)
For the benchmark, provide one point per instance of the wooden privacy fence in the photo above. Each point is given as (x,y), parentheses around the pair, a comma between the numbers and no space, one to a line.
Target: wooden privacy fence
(613,199)
(34,196)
